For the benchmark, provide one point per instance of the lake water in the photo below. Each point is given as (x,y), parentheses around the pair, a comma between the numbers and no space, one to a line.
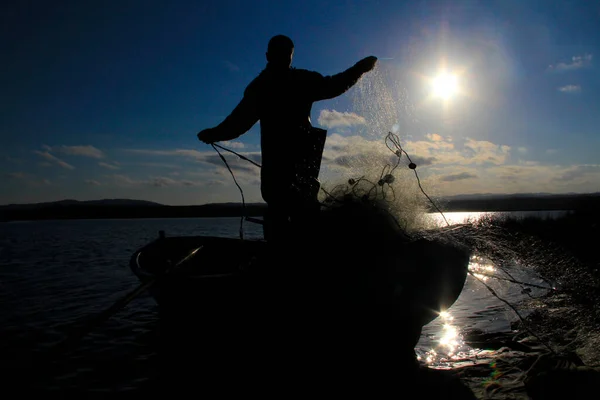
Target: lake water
(53,273)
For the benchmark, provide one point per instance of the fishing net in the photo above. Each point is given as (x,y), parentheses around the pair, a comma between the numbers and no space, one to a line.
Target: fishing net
(508,254)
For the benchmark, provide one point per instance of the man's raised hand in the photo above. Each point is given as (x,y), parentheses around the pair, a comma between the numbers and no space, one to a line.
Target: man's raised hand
(367,63)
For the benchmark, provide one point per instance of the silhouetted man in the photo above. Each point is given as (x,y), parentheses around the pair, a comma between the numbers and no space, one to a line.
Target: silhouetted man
(281,97)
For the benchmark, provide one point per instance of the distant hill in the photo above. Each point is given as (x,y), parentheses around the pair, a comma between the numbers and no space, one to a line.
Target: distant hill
(481,196)
(69,202)
(122,208)
(520,202)
(126,208)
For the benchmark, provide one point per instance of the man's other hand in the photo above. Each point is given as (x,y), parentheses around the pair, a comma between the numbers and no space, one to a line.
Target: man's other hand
(207,136)
(367,63)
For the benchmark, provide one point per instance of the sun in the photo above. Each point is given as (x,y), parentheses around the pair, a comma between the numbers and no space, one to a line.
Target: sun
(445,85)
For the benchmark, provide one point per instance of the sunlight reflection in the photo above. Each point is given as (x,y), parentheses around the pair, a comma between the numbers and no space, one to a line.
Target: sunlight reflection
(454,218)
(443,345)
(481,268)
(451,346)
(445,315)
(450,338)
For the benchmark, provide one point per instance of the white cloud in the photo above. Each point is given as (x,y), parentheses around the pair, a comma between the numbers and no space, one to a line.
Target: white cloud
(235,163)
(471,166)
(156,181)
(86,151)
(434,137)
(233,145)
(580,172)
(458,177)
(162,181)
(188,153)
(481,151)
(445,151)
(124,180)
(215,182)
(551,151)
(92,182)
(570,89)
(51,158)
(243,169)
(528,162)
(526,178)
(109,166)
(577,62)
(157,165)
(332,119)
(353,154)
(446,166)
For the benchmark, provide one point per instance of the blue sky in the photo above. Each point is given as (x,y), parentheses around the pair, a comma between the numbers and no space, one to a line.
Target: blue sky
(104,99)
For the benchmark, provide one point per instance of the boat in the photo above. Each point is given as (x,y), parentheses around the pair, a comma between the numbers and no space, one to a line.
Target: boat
(228,279)
(228,304)
(196,271)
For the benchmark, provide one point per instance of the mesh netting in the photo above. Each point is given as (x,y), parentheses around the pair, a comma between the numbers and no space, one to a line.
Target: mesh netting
(504,249)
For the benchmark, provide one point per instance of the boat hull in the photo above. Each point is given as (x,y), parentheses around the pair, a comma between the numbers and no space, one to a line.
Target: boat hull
(227,274)
(237,304)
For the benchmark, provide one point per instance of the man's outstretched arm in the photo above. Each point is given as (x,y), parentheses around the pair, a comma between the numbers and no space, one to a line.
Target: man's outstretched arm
(241,119)
(328,87)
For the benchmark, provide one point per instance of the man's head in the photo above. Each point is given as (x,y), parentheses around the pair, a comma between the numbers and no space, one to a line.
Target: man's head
(280,51)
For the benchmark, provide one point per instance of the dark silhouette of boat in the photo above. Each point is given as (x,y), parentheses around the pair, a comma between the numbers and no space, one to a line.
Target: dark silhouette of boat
(212,273)
(225,299)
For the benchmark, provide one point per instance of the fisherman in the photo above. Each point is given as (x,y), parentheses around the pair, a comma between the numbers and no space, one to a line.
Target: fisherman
(281,97)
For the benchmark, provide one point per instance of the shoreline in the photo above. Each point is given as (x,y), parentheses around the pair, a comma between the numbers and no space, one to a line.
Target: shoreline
(82,211)
(128,209)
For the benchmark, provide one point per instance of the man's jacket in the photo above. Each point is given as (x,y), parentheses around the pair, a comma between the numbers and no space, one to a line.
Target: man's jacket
(282,101)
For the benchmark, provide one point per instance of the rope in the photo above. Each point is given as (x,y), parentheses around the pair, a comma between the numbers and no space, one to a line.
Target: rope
(214,146)
(525,325)
(513,281)
(383,178)
(399,150)
(237,154)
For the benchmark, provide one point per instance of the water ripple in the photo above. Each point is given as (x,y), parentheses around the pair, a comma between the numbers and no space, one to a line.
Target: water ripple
(54,273)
